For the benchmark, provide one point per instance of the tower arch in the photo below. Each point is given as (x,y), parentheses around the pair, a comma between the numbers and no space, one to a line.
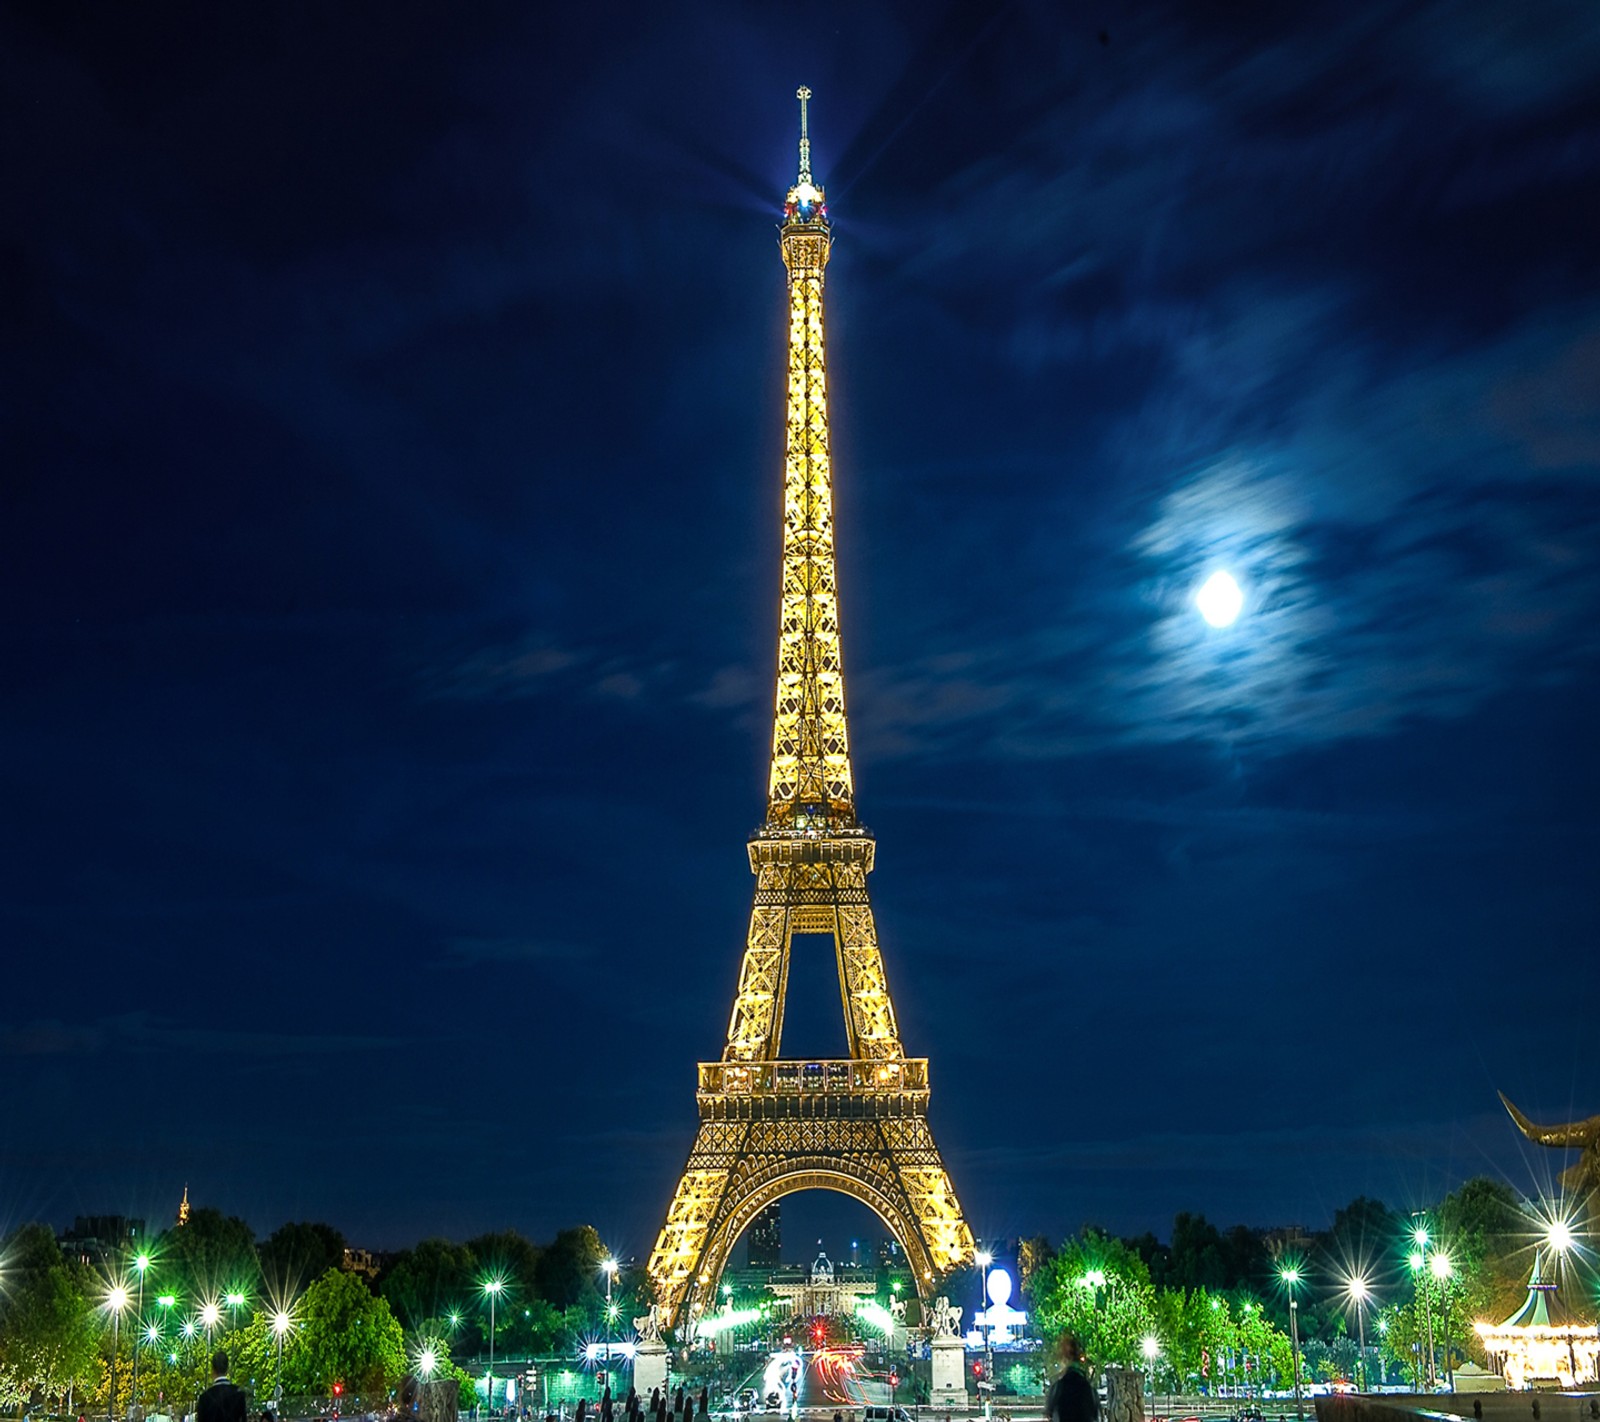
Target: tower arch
(770,1183)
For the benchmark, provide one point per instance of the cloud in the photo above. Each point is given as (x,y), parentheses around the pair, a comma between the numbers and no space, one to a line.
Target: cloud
(526,666)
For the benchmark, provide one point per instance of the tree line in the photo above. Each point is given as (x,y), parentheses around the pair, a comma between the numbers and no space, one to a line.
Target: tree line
(1212,1304)
(286,1309)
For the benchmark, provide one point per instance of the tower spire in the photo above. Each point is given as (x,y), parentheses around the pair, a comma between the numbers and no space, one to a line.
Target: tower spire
(810,788)
(804,95)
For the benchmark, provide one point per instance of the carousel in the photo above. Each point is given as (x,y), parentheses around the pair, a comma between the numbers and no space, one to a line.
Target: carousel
(1543,1341)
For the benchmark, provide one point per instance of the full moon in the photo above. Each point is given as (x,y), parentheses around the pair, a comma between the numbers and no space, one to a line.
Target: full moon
(1219,599)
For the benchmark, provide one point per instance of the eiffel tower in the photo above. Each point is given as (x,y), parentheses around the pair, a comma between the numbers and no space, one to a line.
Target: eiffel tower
(770,1126)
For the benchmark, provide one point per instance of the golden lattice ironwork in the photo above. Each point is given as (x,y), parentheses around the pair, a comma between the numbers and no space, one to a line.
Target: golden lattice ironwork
(769,1127)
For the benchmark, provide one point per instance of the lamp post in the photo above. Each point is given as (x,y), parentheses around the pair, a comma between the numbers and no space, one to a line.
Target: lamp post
(1151,1348)
(141,1264)
(1441,1269)
(1418,1260)
(984,1260)
(1360,1291)
(1291,1277)
(492,1287)
(281,1324)
(210,1316)
(609,1268)
(116,1301)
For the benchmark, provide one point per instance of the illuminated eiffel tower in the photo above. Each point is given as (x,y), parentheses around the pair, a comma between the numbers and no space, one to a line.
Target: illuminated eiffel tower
(769,1127)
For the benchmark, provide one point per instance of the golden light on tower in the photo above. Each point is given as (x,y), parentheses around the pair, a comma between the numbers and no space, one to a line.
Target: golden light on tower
(769,1127)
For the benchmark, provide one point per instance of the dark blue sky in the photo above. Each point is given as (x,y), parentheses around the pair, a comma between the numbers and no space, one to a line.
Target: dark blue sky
(390,437)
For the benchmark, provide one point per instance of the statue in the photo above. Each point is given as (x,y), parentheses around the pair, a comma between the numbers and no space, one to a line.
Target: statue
(945,1319)
(649,1327)
(1583,1178)
(897,1310)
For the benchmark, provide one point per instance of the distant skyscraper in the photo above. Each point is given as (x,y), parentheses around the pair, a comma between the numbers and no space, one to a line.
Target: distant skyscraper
(766,1239)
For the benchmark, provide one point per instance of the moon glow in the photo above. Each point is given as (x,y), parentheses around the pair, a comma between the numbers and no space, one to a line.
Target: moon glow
(1220,600)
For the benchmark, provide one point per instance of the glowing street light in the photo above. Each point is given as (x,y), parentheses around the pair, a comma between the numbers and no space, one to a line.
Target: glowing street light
(427,1361)
(492,1287)
(210,1316)
(609,1267)
(1442,1269)
(281,1324)
(141,1263)
(1150,1346)
(116,1301)
(984,1259)
(1559,1236)
(1359,1291)
(1418,1260)
(1291,1277)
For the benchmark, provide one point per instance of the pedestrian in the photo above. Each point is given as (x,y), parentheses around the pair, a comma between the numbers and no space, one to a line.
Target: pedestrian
(1072,1399)
(222,1401)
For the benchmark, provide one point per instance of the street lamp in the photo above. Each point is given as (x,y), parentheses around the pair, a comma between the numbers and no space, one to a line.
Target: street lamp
(1418,1259)
(608,1267)
(116,1301)
(1291,1277)
(210,1316)
(1442,1270)
(281,1324)
(1151,1348)
(1360,1291)
(235,1301)
(492,1287)
(984,1260)
(141,1264)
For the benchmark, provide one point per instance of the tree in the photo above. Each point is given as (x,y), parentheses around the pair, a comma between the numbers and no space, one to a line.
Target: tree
(1197,1259)
(210,1256)
(569,1267)
(49,1331)
(425,1285)
(1099,1289)
(294,1254)
(343,1335)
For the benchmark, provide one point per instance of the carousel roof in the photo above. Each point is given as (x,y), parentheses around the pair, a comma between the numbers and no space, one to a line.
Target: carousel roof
(1544,1309)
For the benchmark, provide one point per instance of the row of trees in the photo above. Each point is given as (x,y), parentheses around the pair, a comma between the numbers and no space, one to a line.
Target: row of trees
(286,1309)
(1194,1308)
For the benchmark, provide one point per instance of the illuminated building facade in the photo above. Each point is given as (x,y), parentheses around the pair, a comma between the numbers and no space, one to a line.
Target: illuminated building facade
(769,1127)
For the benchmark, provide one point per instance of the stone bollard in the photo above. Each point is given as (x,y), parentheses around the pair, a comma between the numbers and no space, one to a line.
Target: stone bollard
(440,1401)
(1124,1395)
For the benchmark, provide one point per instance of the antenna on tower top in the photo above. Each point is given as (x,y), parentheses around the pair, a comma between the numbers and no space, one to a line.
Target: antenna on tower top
(804,95)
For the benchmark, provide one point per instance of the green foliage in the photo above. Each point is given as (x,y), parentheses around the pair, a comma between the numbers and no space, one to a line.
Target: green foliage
(569,1269)
(1111,1318)
(425,1285)
(206,1258)
(343,1334)
(49,1326)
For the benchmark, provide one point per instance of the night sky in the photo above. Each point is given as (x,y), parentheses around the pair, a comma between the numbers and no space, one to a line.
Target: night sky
(390,455)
